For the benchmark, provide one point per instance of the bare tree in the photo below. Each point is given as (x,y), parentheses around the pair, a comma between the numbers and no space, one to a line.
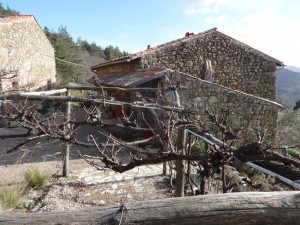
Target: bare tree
(163,135)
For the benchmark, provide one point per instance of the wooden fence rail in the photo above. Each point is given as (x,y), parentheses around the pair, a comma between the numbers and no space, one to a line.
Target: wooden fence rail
(235,209)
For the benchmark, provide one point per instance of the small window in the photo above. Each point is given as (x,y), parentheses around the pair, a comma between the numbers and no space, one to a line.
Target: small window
(49,84)
(208,71)
(15,85)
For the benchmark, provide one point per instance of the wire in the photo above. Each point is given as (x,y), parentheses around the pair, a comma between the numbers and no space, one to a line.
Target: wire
(76,64)
(65,61)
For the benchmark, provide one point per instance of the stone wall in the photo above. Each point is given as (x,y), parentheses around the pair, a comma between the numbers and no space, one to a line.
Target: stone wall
(248,113)
(24,47)
(235,64)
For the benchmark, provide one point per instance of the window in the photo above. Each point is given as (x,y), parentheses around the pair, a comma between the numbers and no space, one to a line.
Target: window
(15,85)
(208,71)
(49,84)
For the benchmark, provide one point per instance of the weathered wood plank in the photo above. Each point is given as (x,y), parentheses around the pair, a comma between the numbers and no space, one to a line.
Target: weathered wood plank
(235,209)
(51,92)
(86,100)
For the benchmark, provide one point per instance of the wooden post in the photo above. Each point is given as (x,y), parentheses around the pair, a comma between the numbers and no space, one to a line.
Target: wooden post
(67,135)
(180,170)
(165,171)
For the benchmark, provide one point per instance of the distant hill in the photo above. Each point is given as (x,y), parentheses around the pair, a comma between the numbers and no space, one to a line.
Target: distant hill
(292,68)
(288,85)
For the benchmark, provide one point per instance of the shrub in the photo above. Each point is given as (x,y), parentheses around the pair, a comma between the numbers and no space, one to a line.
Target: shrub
(35,177)
(249,171)
(10,196)
(288,130)
(199,149)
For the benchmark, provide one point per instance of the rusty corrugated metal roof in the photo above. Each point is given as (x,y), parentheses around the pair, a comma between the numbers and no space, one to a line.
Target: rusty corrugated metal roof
(127,79)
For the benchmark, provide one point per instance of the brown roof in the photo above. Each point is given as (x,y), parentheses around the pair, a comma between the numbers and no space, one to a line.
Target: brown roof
(186,37)
(14,18)
(127,79)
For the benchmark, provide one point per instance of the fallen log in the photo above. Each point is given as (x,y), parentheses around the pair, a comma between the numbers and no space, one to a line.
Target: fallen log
(234,209)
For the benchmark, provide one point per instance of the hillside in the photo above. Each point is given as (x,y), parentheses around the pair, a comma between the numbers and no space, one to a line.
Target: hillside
(288,86)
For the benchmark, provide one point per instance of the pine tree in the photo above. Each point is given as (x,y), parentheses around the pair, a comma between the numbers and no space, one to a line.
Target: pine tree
(112,52)
(66,50)
(7,11)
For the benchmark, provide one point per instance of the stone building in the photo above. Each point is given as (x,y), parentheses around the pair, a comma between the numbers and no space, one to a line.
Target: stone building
(27,60)
(219,71)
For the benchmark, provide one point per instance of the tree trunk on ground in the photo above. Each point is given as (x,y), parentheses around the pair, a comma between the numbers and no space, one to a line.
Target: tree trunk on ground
(235,209)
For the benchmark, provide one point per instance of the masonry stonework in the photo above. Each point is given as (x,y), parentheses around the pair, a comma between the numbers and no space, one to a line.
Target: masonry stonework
(249,114)
(235,64)
(25,48)
(243,78)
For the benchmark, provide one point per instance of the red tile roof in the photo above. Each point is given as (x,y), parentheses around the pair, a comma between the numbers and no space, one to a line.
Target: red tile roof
(138,54)
(14,18)
(187,36)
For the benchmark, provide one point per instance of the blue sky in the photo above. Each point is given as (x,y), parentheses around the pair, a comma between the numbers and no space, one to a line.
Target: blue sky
(271,26)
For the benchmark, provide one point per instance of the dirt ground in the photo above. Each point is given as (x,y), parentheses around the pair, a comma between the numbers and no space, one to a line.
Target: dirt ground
(85,187)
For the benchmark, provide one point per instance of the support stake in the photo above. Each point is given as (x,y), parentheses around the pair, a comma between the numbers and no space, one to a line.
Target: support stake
(67,135)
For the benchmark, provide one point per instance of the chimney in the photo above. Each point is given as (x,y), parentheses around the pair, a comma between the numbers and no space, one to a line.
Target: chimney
(148,46)
(188,34)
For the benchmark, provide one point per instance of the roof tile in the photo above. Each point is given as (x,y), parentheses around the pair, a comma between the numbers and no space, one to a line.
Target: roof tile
(15,18)
(188,35)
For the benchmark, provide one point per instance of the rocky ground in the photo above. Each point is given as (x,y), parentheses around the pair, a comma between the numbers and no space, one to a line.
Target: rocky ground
(87,187)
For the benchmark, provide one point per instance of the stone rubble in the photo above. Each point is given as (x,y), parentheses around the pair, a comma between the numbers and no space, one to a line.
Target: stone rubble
(90,187)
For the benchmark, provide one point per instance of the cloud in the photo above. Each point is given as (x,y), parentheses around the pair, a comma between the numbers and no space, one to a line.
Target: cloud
(219,20)
(270,33)
(194,7)
(270,26)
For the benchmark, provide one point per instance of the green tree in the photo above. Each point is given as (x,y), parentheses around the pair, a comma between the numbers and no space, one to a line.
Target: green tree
(66,50)
(112,52)
(7,11)
(297,105)
(79,52)
(93,49)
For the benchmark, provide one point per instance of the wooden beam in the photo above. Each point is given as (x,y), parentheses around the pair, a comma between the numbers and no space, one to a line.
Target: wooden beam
(86,100)
(276,208)
(105,88)
(51,92)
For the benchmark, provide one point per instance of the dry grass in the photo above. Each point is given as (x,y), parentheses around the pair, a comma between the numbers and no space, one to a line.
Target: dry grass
(35,177)
(10,196)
